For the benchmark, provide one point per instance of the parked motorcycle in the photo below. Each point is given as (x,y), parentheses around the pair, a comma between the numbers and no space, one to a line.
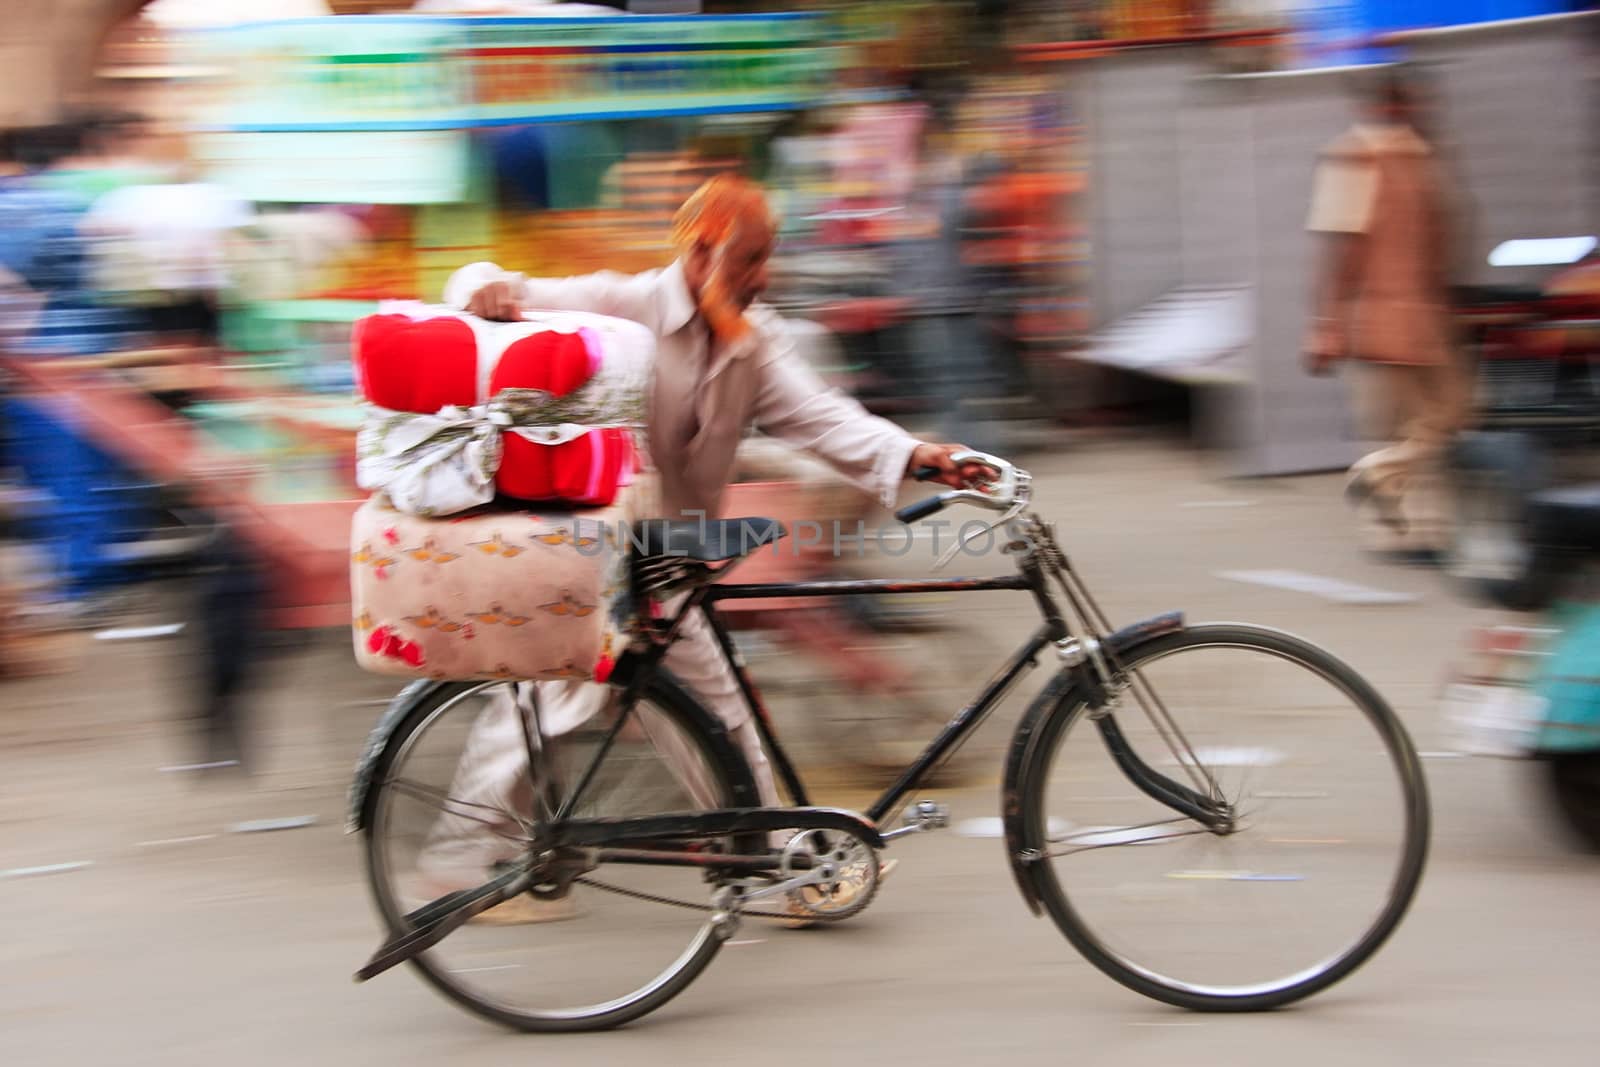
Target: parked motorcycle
(1537,418)
(1533,692)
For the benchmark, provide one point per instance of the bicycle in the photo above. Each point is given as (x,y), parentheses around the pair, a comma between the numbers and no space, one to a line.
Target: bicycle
(647,815)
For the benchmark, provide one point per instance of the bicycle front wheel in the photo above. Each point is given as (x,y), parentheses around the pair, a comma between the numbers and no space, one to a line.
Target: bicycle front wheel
(1318,855)
(455,795)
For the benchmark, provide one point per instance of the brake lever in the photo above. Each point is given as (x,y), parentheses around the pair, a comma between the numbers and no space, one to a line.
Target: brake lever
(1018,506)
(997,494)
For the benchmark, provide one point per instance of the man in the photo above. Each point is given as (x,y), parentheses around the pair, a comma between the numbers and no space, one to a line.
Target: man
(723,365)
(1381,298)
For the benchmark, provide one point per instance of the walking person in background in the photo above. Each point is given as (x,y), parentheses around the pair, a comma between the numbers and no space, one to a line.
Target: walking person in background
(947,339)
(1380,201)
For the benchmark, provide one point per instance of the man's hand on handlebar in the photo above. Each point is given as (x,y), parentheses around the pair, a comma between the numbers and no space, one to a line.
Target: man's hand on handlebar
(949,472)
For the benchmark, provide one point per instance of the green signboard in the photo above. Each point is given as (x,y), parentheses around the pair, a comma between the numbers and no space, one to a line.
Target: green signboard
(408,73)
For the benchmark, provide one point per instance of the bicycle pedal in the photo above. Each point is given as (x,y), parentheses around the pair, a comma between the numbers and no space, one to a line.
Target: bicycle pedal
(928,815)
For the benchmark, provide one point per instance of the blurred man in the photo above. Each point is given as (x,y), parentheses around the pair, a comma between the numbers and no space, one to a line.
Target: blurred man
(723,365)
(950,346)
(40,244)
(161,245)
(1381,297)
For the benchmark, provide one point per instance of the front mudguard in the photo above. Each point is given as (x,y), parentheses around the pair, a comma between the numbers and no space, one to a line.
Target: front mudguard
(1070,687)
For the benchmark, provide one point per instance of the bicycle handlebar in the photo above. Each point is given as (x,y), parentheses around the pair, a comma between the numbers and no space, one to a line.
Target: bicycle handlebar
(997,494)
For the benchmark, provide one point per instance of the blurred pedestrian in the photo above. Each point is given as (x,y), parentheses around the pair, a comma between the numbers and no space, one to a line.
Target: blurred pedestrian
(102,156)
(39,241)
(1381,302)
(948,343)
(162,245)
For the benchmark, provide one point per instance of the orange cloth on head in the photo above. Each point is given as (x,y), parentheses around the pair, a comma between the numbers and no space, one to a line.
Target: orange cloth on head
(713,216)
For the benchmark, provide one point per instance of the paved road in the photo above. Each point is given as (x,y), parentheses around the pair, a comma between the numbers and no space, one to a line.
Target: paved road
(185,944)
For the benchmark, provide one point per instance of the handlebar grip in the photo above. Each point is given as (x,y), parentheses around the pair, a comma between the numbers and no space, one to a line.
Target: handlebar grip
(920,510)
(925,474)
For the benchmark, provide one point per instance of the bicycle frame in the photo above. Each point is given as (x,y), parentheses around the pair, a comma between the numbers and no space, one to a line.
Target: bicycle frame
(954,733)
(569,847)
(1033,575)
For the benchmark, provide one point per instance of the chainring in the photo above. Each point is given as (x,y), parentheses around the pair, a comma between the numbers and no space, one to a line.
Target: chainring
(851,868)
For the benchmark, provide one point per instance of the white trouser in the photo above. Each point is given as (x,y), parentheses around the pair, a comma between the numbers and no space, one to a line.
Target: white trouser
(493,770)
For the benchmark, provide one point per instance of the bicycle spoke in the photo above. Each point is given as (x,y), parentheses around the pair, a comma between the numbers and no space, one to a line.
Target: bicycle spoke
(1101,831)
(443,801)
(538,755)
(570,804)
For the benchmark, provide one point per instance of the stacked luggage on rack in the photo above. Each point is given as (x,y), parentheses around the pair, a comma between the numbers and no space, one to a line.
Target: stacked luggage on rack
(505,461)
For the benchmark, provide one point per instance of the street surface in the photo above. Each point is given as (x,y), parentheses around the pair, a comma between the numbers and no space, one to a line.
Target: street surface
(140,930)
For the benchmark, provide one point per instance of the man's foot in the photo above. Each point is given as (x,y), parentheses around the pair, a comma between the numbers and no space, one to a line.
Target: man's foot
(803,918)
(1360,490)
(526,909)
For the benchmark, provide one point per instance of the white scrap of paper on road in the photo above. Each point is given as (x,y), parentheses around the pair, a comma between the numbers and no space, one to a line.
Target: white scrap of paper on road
(258,826)
(1233,876)
(215,765)
(1315,584)
(139,633)
(165,841)
(1235,756)
(49,868)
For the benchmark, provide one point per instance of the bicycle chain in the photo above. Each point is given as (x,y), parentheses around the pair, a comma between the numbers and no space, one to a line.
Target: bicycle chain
(653,899)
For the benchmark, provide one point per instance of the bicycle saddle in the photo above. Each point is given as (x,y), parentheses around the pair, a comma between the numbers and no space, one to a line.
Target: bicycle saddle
(705,541)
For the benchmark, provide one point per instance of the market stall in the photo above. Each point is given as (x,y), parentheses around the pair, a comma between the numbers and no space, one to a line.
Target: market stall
(374,156)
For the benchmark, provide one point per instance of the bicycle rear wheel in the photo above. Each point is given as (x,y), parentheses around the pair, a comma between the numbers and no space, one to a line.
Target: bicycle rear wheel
(453,795)
(1327,839)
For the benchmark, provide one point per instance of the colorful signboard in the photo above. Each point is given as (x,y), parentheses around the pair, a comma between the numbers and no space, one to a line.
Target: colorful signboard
(379,167)
(415,73)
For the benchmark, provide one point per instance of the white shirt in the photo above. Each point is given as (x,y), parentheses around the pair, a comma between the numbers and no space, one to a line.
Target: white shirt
(705,398)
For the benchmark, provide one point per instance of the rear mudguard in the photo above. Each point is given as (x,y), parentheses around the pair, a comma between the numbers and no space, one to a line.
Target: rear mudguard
(1071,686)
(377,741)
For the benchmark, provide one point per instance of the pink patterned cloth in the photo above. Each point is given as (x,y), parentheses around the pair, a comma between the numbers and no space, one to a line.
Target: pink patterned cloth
(491,593)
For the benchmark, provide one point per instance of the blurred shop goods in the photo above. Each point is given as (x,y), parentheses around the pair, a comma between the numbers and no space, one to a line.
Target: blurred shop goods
(34,638)
(42,250)
(558,8)
(282,181)
(1536,418)
(1528,691)
(162,248)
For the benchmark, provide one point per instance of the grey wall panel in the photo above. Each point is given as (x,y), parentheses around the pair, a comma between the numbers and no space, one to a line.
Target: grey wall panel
(1304,420)
(1216,185)
(1517,123)
(1200,180)
(1134,103)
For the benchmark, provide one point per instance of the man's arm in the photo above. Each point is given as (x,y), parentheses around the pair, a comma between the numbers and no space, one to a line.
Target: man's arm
(1337,279)
(794,405)
(1341,212)
(489,292)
